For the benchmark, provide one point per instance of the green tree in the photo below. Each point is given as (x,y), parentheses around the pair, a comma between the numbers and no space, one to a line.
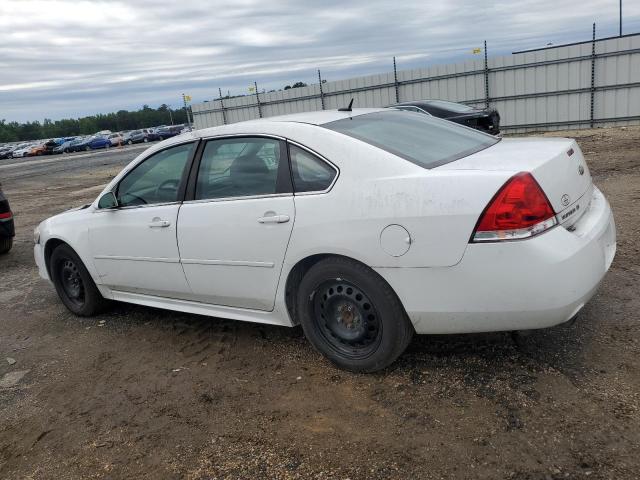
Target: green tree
(67,127)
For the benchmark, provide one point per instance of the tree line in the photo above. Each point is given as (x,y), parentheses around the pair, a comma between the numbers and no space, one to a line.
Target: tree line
(68,127)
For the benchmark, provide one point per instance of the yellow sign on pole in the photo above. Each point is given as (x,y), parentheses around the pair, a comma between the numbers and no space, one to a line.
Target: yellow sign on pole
(477,50)
(252,89)
(187,98)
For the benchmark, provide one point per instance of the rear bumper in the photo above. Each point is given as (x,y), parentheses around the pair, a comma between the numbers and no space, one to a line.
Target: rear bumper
(518,285)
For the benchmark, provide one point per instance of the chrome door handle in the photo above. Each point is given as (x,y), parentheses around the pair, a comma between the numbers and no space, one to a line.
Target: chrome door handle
(157,223)
(274,219)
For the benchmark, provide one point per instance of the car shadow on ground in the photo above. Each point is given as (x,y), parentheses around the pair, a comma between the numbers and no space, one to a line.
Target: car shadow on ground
(483,354)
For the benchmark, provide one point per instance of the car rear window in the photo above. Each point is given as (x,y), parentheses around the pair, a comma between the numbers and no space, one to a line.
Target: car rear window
(421,139)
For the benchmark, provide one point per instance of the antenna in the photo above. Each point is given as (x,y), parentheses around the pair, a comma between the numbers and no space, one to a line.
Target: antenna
(347,109)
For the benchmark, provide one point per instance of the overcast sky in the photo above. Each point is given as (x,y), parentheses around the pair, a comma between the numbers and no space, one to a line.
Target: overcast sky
(70,58)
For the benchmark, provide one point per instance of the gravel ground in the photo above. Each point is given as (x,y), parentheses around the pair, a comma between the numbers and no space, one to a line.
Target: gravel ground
(145,393)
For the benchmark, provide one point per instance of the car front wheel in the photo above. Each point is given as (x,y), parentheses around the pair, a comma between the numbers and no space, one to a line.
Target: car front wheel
(74,284)
(352,316)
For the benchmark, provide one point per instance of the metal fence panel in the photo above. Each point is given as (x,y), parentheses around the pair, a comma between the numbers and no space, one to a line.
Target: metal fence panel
(546,89)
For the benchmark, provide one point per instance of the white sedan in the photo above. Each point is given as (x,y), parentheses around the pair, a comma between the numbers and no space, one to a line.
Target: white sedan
(363,226)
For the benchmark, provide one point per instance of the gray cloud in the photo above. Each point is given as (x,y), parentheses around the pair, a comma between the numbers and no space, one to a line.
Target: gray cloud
(67,58)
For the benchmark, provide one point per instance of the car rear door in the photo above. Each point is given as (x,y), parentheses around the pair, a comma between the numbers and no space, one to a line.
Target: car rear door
(235,225)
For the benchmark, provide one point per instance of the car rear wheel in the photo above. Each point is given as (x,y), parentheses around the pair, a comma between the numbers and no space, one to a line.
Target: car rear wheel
(129,142)
(5,245)
(352,316)
(87,148)
(146,140)
(74,284)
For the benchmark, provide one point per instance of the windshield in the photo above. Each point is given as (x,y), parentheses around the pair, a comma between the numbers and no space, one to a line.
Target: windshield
(424,140)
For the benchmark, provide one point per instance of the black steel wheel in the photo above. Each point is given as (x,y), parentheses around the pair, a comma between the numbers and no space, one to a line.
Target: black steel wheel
(351,315)
(73,282)
(347,318)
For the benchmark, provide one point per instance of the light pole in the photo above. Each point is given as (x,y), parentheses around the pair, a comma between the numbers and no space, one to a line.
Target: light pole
(170,114)
(620,9)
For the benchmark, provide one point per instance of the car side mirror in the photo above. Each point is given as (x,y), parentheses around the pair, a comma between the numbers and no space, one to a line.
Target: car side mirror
(108,201)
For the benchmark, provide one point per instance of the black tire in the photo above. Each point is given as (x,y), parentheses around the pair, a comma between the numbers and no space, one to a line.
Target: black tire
(146,140)
(160,137)
(365,328)
(5,245)
(74,284)
(87,148)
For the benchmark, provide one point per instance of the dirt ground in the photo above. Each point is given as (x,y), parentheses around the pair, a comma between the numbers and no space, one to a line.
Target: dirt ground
(145,393)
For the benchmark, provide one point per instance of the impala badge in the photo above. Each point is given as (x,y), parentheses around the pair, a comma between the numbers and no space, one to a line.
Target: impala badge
(580,169)
(565,200)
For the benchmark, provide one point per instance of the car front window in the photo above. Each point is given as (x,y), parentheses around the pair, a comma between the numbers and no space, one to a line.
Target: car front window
(156,179)
(422,139)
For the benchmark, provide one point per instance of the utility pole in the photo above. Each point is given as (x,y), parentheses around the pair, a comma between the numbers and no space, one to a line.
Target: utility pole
(170,115)
(224,117)
(620,17)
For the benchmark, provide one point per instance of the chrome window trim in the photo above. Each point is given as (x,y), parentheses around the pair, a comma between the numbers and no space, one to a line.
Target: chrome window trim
(245,197)
(135,207)
(323,159)
(232,135)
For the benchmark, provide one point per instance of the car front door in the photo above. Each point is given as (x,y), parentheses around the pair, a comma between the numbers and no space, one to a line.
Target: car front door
(234,228)
(134,246)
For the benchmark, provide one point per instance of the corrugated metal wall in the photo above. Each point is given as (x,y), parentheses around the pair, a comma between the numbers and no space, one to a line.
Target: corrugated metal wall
(546,89)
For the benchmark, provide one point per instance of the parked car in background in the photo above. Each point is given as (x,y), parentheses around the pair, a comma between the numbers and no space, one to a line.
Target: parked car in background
(136,136)
(362,226)
(37,150)
(5,152)
(73,145)
(115,139)
(64,147)
(22,150)
(92,143)
(51,145)
(7,228)
(168,132)
(152,136)
(486,120)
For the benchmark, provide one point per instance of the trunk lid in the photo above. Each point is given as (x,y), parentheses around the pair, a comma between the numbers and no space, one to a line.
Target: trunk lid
(557,164)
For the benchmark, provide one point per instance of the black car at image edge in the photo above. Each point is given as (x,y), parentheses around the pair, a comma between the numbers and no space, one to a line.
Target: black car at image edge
(486,120)
(7,230)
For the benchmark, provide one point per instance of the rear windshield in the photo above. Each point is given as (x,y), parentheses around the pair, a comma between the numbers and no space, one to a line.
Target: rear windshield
(424,140)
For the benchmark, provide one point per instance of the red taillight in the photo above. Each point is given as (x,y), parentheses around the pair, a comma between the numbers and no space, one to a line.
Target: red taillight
(520,209)
(6,215)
